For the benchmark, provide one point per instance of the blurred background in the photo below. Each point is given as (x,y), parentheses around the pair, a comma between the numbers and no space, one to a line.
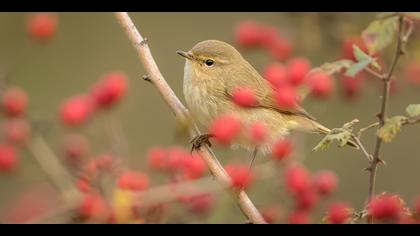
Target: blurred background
(86,46)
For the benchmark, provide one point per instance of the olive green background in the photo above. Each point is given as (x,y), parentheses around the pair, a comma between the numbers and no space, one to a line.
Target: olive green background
(88,45)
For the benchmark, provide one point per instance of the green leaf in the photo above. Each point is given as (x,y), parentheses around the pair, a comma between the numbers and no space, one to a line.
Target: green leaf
(334,67)
(357,67)
(380,33)
(391,127)
(360,55)
(341,135)
(413,110)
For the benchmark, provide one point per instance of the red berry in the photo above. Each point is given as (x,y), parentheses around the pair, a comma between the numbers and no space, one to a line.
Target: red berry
(176,158)
(321,84)
(201,204)
(258,132)
(225,128)
(412,72)
(93,206)
(352,85)
(271,214)
(280,49)
(306,199)
(105,162)
(14,102)
(75,147)
(339,213)
(282,149)
(348,46)
(17,131)
(297,179)
(297,70)
(42,26)
(325,182)
(83,185)
(8,158)
(269,35)
(248,34)
(158,158)
(110,89)
(287,97)
(241,176)
(76,110)
(134,181)
(385,207)
(194,167)
(276,74)
(299,217)
(244,97)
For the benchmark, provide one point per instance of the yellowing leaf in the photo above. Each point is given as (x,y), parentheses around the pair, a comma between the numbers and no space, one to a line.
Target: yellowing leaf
(413,110)
(123,203)
(391,127)
(334,67)
(339,134)
(380,34)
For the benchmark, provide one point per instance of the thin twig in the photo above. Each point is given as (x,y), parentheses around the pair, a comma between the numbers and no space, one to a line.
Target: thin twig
(383,113)
(356,139)
(156,78)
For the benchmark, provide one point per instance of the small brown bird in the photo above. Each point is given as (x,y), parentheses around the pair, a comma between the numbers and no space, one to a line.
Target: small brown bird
(213,69)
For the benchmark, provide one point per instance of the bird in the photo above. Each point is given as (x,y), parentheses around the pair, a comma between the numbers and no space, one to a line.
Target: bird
(213,70)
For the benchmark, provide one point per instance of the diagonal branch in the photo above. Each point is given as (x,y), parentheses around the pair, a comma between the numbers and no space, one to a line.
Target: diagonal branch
(156,78)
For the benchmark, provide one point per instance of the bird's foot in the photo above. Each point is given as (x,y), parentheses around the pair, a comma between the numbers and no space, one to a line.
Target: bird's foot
(199,140)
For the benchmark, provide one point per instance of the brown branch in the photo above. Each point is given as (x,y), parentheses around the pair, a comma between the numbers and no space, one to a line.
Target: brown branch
(156,78)
(384,108)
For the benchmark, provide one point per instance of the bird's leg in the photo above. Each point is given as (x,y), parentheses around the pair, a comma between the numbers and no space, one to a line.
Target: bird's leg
(199,140)
(253,156)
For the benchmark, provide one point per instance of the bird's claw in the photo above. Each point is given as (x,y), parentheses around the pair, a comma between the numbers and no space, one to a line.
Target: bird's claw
(199,140)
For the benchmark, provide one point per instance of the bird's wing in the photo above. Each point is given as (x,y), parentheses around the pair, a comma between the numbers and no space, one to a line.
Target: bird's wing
(263,91)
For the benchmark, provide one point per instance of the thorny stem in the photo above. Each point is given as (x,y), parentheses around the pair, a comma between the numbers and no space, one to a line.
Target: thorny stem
(384,107)
(157,79)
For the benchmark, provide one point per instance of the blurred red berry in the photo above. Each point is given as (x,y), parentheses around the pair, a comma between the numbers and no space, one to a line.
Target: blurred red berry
(17,131)
(348,46)
(201,204)
(276,74)
(93,206)
(134,181)
(248,34)
(83,185)
(412,72)
(306,199)
(282,149)
(241,175)
(225,128)
(269,34)
(105,162)
(352,85)
(271,214)
(42,26)
(339,213)
(194,167)
(76,147)
(385,207)
(14,102)
(110,89)
(297,69)
(321,84)
(8,158)
(244,97)
(287,96)
(280,49)
(177,157)
(325,182)
(297,179)
(158,158)
(76,110)
(298,217)
(258,132)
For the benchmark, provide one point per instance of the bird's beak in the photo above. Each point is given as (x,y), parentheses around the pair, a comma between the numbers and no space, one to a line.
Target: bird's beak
(187,55)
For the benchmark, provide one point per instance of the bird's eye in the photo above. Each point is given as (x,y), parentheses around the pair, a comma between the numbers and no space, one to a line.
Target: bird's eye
(209,62)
